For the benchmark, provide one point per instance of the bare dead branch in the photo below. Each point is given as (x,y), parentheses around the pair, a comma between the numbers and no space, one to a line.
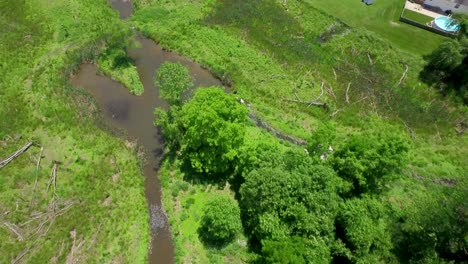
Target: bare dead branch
(16,154)
(371,62)
(336,112)
(403,76)
(331,92)
(309,103)
(15,230)
(321,92)
(264,125)
(37,174)
(360,100)
(53,177)
(21,255)
(347,91)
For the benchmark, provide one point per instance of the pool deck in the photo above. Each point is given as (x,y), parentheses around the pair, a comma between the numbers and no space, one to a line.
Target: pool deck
(419,9)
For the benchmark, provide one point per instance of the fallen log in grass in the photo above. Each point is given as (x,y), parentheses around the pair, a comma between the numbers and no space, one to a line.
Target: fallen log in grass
(15,155)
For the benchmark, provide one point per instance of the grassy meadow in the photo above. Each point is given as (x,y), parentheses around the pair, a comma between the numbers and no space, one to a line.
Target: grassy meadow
(96,210)
(358,60)
(366,70)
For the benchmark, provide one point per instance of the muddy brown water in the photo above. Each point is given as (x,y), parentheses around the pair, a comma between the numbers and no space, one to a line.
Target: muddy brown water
(134,114)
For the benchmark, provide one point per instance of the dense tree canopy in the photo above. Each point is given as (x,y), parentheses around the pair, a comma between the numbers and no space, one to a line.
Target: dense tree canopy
(295,198)
(434,228)
(367,161)
(295,250)
(362,228)
(221,221)
(208,130)
(447,66)
(173,80)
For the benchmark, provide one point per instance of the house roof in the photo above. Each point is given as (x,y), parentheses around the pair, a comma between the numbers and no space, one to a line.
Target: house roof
(452,5)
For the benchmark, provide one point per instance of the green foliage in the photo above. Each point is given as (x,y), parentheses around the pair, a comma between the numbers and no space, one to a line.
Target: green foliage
(362,226)
(173,80)
(370,160)
(260,150)
(115,63)
(209,129)
(446,67)
(299,198)
(295,250)
(268,53)
(221,221)
(186,220)
(433,227)
(321,139)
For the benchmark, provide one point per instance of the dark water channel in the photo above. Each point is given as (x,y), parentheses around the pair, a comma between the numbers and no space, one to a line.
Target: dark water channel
(134,114)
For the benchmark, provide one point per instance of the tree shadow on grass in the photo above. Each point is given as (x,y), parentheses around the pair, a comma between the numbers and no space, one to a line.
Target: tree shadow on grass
(211,243)
(206,178)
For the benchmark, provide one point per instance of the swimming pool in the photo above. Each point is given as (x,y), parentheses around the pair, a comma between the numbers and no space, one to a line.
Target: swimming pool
(446,24)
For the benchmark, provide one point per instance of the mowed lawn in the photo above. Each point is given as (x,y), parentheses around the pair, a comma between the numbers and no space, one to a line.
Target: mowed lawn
(382,18)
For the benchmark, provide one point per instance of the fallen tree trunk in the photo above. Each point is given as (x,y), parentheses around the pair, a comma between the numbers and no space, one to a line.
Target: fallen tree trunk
(14,229)
(311,102)
(16,154)
(37,174)
(308,103)
(403,76)
(262,124)
(347,93)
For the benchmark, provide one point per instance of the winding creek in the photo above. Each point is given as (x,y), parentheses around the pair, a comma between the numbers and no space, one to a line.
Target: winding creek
(134,114)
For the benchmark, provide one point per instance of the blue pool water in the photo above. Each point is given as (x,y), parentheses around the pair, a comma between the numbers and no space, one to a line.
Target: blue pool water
(447,24)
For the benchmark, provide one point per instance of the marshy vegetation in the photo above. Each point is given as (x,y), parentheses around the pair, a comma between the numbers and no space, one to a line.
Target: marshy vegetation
(115,63)
(385,149)
(379,174)
(95,210)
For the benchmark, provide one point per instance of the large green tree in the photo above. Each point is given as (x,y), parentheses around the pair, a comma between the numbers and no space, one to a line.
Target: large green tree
(370,160)
(221,221)
(297,197)
(447,66)
(433,227)
(207,131)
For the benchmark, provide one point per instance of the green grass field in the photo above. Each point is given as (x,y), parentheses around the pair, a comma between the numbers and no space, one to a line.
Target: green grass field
(382,18)
(98,213)
(265,53)
(184,204)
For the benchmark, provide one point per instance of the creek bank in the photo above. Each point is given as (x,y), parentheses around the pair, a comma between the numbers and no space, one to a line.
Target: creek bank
(134,114)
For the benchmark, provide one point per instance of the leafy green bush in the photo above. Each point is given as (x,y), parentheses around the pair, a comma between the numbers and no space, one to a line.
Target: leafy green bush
(361,226)
(221,221)
(173,80)
(295,250)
